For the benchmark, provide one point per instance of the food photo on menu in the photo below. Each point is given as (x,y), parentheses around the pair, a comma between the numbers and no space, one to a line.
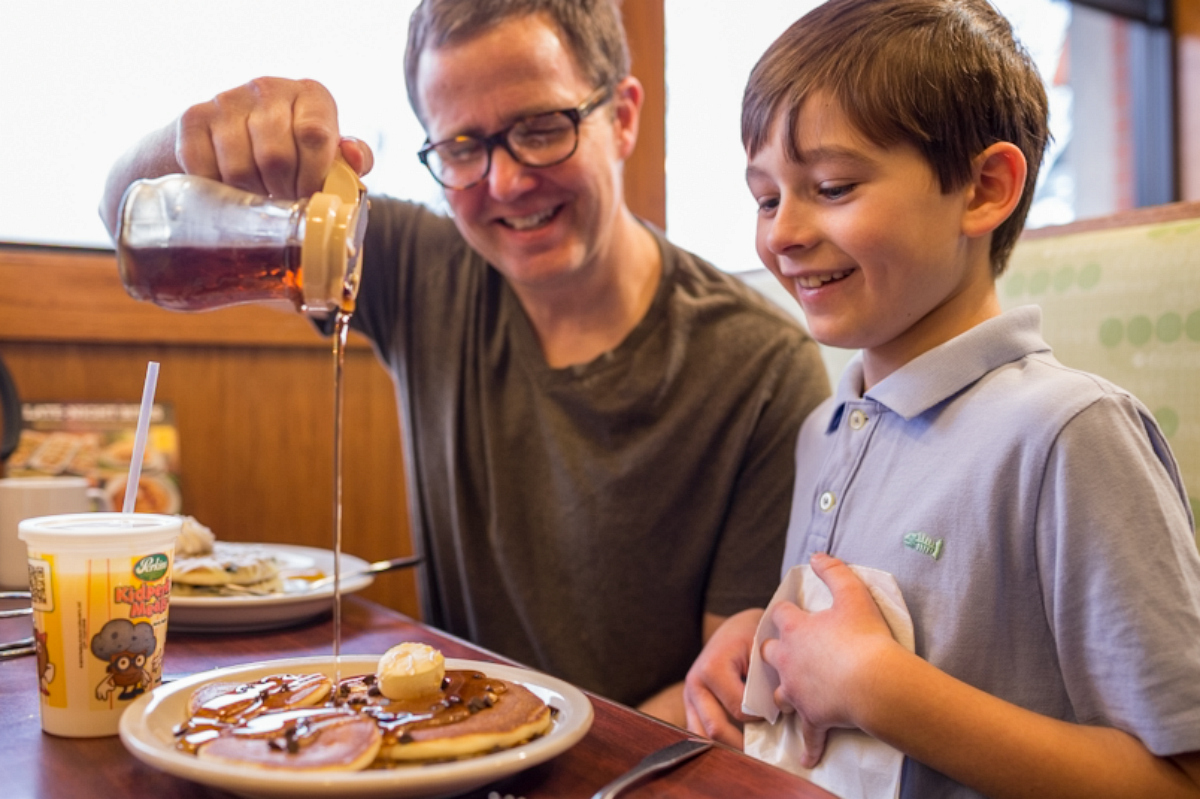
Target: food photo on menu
(95,440)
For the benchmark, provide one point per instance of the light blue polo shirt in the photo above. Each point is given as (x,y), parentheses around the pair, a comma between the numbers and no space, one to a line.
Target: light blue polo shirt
(1035,520)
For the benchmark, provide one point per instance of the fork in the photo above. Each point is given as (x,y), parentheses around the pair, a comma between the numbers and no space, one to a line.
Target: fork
(377,567)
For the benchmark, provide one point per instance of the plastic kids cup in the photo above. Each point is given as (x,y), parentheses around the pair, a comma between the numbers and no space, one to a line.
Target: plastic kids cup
(100,585)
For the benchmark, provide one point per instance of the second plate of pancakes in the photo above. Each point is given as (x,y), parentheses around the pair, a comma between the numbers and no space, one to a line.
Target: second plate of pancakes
(147,730)
(221,614)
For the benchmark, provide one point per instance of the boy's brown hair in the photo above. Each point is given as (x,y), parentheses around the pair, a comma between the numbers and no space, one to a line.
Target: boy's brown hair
(946,76)
(591,30)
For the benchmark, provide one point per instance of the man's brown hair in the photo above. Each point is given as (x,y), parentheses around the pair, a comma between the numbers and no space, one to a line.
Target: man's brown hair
(591,30)
(946,76)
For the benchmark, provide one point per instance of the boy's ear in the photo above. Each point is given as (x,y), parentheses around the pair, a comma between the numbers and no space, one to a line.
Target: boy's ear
(997,182)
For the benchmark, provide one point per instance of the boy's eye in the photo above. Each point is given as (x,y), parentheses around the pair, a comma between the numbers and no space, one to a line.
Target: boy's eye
(767,204)
(835,192)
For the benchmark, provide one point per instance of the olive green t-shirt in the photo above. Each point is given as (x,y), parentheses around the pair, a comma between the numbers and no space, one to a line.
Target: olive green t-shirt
(581,520)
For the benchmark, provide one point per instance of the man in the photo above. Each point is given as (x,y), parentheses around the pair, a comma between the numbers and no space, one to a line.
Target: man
(598,426)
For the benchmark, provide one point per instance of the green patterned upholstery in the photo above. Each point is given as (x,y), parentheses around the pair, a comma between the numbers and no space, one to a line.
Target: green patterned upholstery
(1124,303)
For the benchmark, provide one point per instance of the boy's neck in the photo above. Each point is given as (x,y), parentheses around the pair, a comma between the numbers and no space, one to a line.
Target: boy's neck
(975,304)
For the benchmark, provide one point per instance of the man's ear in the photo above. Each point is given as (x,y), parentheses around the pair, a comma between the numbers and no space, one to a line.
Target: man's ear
(627,104)
(997,182)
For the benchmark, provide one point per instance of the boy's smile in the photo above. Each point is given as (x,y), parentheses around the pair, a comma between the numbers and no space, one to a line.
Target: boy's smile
(866,241)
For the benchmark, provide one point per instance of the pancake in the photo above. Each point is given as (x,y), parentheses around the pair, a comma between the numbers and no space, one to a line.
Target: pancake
(228,564)
(309,739)
(278,722)
(272,585)
(471,715)
(233,702)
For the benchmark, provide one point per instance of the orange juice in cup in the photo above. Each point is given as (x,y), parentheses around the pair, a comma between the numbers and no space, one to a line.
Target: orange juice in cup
(100,585)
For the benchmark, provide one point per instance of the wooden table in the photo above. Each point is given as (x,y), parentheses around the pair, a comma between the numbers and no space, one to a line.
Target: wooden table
(39,765)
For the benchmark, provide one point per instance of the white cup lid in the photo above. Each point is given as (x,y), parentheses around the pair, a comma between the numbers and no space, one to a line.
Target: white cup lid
(82,533)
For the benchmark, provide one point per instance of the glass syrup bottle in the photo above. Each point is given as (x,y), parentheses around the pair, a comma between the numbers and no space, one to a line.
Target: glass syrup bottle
(188,243)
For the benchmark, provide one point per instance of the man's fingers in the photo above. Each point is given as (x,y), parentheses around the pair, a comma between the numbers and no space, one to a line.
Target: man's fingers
(273,148)
(194,147)
(315,130)
(357,154)
(270,136)
(228,122)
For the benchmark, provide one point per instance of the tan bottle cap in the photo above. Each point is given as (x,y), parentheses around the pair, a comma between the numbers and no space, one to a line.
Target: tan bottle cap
(331,255)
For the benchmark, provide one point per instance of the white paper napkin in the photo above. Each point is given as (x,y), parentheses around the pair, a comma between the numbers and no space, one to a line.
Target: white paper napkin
(855,765)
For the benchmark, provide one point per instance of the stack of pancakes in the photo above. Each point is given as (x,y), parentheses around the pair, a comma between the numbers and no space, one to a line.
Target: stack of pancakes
(207,567)
(298,722)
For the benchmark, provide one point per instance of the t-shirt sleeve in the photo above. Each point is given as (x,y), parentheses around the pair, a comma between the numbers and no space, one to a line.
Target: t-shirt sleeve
(749,554)
(1120,576)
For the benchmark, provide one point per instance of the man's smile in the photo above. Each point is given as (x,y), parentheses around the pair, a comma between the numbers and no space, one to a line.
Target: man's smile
(530,221)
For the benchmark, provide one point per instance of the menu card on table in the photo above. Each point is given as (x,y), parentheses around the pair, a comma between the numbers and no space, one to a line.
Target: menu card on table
(95,440)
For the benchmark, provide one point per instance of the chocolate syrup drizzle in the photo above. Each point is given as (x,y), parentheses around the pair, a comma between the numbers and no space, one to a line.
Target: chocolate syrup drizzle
(266,709)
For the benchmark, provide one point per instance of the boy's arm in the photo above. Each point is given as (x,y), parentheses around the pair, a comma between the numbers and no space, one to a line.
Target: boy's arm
(841,668)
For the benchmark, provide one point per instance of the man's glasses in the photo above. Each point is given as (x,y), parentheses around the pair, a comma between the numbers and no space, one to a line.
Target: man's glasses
(539,140)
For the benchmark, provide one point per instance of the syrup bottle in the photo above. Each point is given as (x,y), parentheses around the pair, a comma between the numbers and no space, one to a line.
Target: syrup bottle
(191,244)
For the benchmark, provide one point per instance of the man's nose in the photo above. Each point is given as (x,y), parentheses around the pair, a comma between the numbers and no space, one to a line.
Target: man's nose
(508,177)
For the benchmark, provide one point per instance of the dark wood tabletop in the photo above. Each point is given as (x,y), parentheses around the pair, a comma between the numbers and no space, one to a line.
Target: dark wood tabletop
(44,766)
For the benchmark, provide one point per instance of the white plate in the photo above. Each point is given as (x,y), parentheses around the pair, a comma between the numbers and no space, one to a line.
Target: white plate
(246,613)
(147,724)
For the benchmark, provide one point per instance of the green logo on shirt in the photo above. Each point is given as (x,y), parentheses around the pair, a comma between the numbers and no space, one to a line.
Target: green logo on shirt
(920,542)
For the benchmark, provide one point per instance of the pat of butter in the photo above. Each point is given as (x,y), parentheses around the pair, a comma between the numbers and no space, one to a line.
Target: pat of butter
(410,670)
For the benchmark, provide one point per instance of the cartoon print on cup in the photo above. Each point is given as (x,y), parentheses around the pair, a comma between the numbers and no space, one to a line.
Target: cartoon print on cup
(45,668)
(126,647)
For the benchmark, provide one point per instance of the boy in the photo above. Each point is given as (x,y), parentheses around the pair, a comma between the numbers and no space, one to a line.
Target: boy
(1032,515)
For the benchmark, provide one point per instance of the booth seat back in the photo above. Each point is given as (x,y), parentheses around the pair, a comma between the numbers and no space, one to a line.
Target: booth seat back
(1120,297)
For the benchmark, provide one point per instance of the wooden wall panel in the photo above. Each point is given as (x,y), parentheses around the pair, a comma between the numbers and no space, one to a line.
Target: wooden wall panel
(646,170)
(1187,95)
(255,419)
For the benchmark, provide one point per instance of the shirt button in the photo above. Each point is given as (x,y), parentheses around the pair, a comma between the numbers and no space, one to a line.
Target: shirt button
(827,501)
(858,420)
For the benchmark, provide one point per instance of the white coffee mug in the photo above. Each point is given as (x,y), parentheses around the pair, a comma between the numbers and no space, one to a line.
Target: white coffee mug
(24,498)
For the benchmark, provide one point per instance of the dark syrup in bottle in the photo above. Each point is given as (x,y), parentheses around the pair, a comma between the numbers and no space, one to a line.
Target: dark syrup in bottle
(201,278)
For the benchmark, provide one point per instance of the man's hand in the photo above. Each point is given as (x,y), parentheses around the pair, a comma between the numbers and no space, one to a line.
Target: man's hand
(270,136)
(823,658)
(714,686)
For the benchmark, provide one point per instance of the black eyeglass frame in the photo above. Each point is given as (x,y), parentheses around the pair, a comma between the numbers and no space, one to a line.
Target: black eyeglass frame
(500,138)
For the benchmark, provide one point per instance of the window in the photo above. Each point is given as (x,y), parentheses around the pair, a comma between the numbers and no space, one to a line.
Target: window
(83,81)
(1107,77)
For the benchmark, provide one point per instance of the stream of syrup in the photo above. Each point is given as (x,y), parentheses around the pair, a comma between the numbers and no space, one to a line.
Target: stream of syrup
(341,330)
